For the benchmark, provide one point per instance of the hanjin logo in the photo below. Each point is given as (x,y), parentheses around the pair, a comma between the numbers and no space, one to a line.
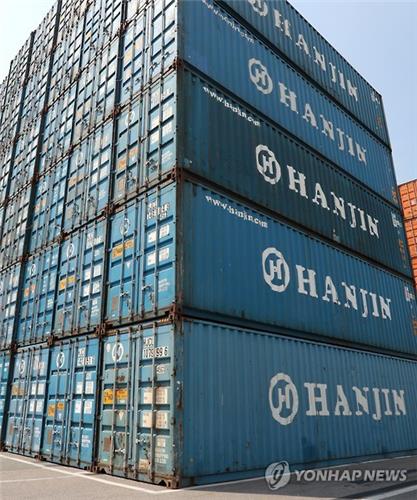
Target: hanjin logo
(259,6)
(275,269)
(117,352)
(283,399)
(260,77)
(60,360)
(267,164)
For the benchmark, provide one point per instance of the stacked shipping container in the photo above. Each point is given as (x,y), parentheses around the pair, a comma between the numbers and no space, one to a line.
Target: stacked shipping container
(201,244)
(408,194)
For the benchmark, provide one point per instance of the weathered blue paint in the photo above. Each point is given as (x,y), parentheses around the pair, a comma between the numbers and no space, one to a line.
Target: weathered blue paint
(241,265)
(141,256)
(80,280)
(195,402)
(27,401)
(49,206)
(246,154)
(69,421)
(294,37)
(88,178)
(137,404)
(35,315)
(252,267)
(217,45)
(9,286)
(4,374)
(232,384)
(13,230)
(146,139)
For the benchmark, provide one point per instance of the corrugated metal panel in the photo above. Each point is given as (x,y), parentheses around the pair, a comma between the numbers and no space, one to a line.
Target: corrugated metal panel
(408,193)
(80,280)
(37,303)
(14,227)
(49,207)
(219,47)
(69,422)
(141,257)
(4,374)
(52,403)
(27,401)
(137,406)
(88,178)
(248,401)
(251,267)
(288,31)
(9,285)
(323,290)
(226,400)
(244,153)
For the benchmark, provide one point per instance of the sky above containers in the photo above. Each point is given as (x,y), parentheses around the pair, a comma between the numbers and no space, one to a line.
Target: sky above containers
(377,38)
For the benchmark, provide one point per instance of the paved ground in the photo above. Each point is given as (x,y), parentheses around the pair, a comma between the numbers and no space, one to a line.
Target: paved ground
(26,479)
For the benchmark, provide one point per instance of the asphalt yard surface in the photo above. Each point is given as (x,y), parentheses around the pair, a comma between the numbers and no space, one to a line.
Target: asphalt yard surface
(25,478)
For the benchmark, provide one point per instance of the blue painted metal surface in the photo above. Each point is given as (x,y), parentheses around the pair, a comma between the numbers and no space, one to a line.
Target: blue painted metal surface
(193,402)
(14,227)
(88,178)
(141,256)
(137,409)
(294,37)
(150,46)
(4,374)
(80,280)
(246,154)
(252,267)
(146,139)
(218,46)
(69,423)
(9,285)
(27,401)
(35,315)
(247,402)
(49,206)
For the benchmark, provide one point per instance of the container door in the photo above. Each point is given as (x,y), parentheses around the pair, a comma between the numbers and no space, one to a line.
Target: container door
(4,373)
(136,436)
(69,426)
(27,402)
(117,403)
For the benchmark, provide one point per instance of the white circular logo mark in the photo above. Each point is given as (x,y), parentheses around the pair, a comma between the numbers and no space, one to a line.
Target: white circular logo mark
(60,360)
(129,118)
(259,6)
(70,250)
(33,269)
(275,269)
(260,77)
(277,475)
(267,164)
(285,406)
(22,367)
(117,352)
(124,226)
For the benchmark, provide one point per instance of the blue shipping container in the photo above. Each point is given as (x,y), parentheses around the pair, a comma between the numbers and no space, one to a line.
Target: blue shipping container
(69,423)
(4,374)
(196,402)
(9,285)
(215,43)
(51,411)
(239,265)
(243,152)
(294,37)
(27,401)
